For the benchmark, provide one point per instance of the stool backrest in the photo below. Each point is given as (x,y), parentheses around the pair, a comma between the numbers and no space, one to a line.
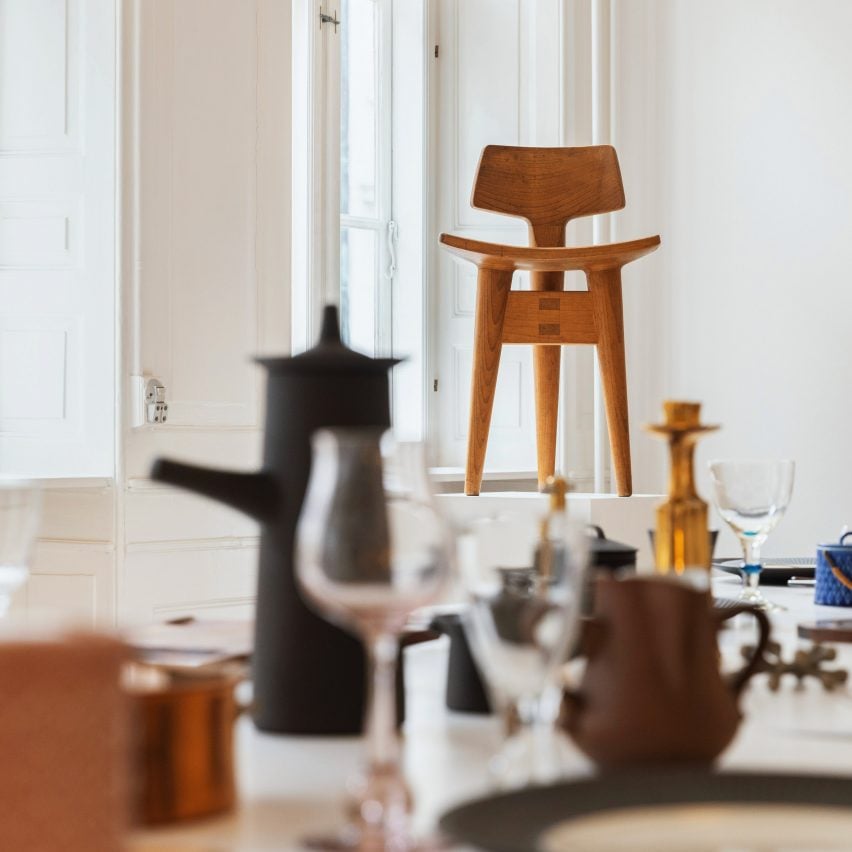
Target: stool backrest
(548,186)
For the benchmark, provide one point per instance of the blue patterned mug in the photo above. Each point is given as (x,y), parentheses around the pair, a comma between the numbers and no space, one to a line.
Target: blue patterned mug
(834,573)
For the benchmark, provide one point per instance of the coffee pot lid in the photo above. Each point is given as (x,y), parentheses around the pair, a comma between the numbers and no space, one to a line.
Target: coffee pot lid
(329,354)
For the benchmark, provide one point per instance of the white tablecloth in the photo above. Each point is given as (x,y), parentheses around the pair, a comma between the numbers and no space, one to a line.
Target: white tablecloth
(290,786)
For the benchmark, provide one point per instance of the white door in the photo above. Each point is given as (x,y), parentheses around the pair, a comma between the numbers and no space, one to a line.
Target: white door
(57,223)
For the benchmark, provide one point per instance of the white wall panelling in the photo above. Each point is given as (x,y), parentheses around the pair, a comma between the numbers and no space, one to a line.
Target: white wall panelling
(73,572)
(73,581)
(172,578)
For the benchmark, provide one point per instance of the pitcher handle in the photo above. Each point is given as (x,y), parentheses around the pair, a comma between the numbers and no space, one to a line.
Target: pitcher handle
(838,574)
(740,678)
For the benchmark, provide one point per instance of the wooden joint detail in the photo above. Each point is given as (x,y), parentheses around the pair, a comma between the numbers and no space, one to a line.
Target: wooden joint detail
(560,317)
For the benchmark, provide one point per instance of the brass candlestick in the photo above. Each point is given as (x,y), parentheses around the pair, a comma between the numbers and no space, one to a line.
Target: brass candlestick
(681,538)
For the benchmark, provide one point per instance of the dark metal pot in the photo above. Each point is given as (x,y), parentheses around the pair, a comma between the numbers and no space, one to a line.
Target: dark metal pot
(465,692)
(608,554)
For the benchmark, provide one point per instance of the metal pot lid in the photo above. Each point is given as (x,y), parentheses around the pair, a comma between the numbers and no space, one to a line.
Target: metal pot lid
(601,544)
(330,354)
(604,551)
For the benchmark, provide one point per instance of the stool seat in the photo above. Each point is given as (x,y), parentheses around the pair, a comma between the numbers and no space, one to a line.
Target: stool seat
(538,259)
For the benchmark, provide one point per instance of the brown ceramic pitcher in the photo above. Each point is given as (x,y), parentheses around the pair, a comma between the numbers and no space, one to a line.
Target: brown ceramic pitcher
(652,691)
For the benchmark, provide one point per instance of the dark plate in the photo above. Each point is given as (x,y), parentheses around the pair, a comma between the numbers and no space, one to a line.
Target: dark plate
(513,822)
(776,572)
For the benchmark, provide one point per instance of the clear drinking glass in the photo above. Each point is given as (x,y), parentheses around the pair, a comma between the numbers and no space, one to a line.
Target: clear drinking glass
(20,512)
(752,496)
(371,548)
(524,606)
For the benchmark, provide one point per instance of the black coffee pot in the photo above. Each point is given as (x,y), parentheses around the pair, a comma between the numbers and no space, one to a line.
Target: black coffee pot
(308,675)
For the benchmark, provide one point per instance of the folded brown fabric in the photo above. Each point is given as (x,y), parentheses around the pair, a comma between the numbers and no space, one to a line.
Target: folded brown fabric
(63,746)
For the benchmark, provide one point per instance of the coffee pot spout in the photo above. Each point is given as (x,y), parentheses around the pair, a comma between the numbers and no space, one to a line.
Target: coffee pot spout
(256,494)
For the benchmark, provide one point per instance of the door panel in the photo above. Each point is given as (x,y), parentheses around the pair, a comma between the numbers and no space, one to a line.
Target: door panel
(57,220)
(481,74)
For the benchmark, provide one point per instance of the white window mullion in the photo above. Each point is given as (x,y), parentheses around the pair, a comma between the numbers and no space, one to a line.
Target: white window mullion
(316,166)
(384,152)
(366,174)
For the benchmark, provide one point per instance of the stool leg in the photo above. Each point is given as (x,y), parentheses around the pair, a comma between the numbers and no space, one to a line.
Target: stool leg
(546,363)
(492,293)
(605,287)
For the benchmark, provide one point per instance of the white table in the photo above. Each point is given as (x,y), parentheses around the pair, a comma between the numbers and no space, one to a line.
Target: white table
(290,786)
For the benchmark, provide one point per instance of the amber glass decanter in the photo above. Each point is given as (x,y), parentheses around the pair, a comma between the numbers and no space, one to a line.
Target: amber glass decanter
(681,539)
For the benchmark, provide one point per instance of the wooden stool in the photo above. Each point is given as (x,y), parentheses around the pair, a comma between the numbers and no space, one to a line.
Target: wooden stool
(548,187)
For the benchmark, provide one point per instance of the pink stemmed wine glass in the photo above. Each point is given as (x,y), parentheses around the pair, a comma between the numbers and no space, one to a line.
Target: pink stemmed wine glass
(371,548)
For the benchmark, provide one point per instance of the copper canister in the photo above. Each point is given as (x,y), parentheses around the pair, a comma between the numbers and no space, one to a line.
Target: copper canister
(184,748)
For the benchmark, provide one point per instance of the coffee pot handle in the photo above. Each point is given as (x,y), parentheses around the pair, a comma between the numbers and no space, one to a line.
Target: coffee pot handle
(740,678)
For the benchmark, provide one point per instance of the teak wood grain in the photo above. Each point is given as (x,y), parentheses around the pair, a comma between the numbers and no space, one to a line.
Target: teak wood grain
(492,295)
(548,187)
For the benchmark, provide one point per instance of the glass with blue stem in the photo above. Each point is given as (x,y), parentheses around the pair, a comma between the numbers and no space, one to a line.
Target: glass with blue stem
(752,495)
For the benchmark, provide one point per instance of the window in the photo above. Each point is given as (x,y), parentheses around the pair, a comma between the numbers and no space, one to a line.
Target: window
(363,102)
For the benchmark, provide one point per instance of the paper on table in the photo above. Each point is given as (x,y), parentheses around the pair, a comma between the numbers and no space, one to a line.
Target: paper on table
(227,639)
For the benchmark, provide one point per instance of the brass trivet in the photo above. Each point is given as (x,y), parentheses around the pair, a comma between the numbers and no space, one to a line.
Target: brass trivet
(805,663)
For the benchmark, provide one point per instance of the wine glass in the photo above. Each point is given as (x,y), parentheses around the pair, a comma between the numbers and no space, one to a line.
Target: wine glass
(20,511)
(371,548)
(523,578)
(752,496)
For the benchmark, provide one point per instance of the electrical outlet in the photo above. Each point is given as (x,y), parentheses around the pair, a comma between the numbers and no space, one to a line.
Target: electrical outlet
(156,407)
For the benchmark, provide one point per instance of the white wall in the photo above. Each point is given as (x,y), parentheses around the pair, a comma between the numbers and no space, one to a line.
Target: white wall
(746,128)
